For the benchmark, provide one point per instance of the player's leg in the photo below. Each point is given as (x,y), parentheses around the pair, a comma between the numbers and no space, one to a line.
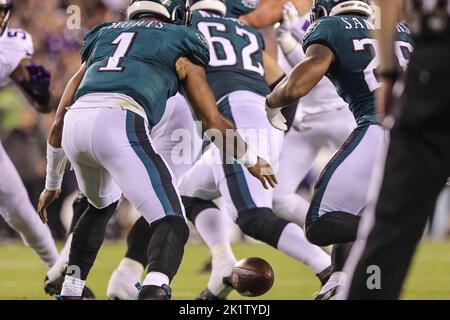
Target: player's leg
(18,212)
(198,189)
(153,194)
(287,204)
(96,183)
(249,203)
(176,140)
(340,196)
(55,275)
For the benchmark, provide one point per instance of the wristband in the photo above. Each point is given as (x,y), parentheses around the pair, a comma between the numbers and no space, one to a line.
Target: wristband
(249,159)
(56,165)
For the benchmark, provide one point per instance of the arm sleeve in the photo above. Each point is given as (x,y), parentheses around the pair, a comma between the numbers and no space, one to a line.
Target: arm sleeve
(197,48)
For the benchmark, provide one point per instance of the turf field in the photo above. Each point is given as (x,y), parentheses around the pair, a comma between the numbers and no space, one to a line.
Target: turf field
(22,274)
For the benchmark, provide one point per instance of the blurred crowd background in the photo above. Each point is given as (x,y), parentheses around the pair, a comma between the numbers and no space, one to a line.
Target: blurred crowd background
(23,131)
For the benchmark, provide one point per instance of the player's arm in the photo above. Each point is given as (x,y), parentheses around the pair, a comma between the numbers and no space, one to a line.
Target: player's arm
(304,77)
(274,75)
(56,159)
(199,94)
(34,82)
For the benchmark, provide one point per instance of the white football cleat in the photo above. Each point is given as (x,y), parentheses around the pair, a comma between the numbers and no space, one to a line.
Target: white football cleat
(122,284)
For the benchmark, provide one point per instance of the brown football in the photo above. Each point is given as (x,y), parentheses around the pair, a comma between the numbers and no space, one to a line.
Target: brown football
(252,277)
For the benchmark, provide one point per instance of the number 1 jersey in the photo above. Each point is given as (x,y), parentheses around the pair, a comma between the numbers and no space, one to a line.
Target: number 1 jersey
(137,58)
(354,71)
(236,49)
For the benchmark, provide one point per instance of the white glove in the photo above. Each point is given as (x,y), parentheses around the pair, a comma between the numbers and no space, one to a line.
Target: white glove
(276,118)
(290,17)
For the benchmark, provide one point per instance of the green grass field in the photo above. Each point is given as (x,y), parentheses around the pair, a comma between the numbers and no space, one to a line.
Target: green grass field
(22,274)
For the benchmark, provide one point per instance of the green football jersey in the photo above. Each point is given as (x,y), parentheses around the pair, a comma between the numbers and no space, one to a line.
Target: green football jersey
(236,54)
(354,72)
(137,58)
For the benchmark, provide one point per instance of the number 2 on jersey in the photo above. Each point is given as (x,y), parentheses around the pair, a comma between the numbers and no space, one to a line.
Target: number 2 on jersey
(402,50)
(229,57)
(123,42)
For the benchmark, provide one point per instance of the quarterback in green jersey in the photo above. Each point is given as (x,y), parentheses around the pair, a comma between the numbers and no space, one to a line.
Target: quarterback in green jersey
(130,68)
(339,44)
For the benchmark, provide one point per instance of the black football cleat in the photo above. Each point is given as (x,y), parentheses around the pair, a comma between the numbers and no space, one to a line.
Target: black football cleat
(53,287)
(154,293)
(324,275)
(88,294)
(60,297)
(208,295)
(327,295)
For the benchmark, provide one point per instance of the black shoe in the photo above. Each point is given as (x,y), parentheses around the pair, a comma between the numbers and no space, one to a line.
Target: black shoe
(208,295)
(88,294)
(324,275)
(54,287)
(60,297)
(327,295)
(154,293)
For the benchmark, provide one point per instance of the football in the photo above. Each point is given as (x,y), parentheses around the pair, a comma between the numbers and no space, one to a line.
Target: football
(252,277)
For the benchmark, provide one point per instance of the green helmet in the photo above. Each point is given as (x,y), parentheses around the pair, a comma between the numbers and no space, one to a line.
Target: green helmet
(175,11)
(325,8)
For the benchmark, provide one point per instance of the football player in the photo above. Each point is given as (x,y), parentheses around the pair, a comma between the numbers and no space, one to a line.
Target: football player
(323,120)
(125,81)
(16,51)
(339,45)
(239,73)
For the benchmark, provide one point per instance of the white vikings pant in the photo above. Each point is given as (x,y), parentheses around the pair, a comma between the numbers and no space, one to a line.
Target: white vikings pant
(176,138)
(209,178)
(18,212)
(111,152)
(300,149)
(343,185)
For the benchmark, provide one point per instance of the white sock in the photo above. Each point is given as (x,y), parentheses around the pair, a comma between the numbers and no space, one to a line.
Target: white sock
(57,270)
(131,266)
(156,279)
(293,242)
(72,287)
(223,261)
(210,224)
(291,207)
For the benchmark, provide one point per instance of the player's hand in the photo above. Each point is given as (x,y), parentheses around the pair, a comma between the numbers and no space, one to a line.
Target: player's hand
(39,74)
(263,171)
(45,199)
(290,17)
(276,118)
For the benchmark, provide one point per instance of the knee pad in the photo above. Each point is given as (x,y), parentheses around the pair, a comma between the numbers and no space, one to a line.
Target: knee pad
(193,206)
(166,248)
(331,228)
(262,224)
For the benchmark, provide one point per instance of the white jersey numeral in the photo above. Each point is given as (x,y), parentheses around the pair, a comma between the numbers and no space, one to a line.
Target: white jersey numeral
(249,50)
(123,42)
(227,51)
(402,50)
(369,71)
(230,57)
